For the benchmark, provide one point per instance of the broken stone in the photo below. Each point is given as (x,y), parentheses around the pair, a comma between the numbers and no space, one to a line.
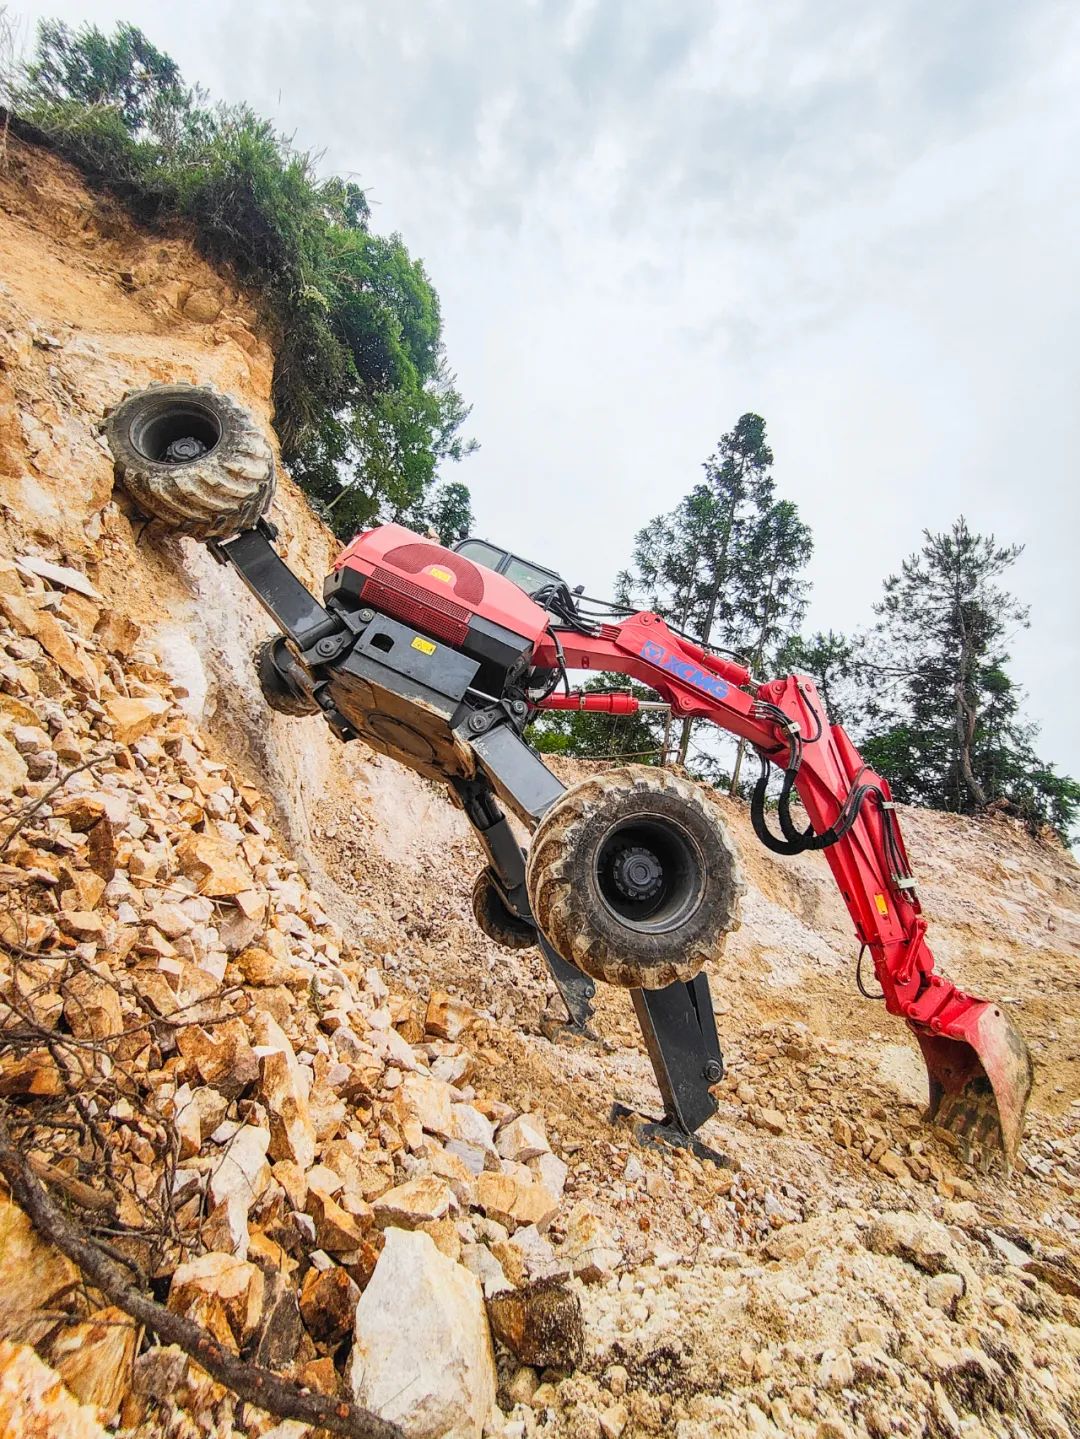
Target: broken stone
(918,1241)
(447,1017)
(336,1230)
(94,1360)
(34,1404)
(233,1284)
(589,1249)
(523,1139)
(514,1201)
(540,1324)
(242,1173)
(768,1119)
(943,1290)
(133,718)
(328,1303)
(283,1086)
(13,769)
(429,1100)
(34,1276)
(422,1353)
(221,1056)
(214,864)
(416,1202)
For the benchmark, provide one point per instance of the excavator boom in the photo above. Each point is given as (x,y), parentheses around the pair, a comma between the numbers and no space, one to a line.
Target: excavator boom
(978,1066)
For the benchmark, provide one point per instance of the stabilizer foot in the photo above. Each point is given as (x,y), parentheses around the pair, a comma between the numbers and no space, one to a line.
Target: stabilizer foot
(664,1134)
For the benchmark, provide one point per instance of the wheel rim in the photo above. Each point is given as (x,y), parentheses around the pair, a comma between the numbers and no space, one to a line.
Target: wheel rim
(176,433)
(650,874)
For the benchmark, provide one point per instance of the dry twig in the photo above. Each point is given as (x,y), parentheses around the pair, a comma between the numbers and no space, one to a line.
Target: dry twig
(259,1387)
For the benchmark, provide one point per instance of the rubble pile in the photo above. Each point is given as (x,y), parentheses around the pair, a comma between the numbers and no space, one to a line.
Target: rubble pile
(318,1143)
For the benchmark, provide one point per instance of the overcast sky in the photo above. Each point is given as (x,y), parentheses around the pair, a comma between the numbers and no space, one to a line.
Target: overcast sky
(860,221)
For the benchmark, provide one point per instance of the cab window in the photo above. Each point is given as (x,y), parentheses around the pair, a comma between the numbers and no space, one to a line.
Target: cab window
(482,554)
(529,578)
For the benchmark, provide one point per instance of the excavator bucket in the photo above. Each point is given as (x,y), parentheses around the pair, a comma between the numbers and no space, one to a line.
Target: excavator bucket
(980,1081)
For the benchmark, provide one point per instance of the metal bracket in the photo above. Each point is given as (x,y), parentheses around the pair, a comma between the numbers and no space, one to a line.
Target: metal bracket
(679,1030)
(658,1134)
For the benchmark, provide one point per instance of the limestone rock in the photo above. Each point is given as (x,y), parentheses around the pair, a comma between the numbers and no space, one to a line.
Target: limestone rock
(328,1303)
(336,1230)
(215,866)
(513,1201)
(422,1353)
(34,1404)
(133,718)
(13,770)
(540,1324)
(242,1173)
(284,1086)
(95,1359)
(429,1100)
(523,1139)
(447,1017)
(915,1239)
(417,1201)
(222,1056)
(233,1284)
(589,1249)
(33,1275)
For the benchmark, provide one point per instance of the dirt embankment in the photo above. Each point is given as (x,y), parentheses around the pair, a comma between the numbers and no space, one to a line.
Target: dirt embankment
(852,1277)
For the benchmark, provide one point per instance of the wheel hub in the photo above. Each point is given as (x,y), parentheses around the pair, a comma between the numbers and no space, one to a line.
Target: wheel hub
(637,873)
(184,449)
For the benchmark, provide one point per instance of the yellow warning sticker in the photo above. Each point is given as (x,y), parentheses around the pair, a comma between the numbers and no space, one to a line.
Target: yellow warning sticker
(437,573)
(879,899)
(424,646)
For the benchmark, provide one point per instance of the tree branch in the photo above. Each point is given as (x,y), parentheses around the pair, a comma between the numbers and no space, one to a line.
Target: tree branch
(259,1387)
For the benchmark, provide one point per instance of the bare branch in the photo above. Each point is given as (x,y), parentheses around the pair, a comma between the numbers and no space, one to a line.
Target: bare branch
(259,1387)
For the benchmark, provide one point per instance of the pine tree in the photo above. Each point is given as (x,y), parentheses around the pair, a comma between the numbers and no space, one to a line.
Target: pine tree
(693,565)
(775,593)
(960,743)
(829,659)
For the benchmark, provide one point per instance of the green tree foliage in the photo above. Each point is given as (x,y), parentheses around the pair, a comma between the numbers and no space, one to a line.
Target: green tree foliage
(775,592)
(830,661)
(366,408)
(635,738)
(445,511)
(941,665)
(723,565)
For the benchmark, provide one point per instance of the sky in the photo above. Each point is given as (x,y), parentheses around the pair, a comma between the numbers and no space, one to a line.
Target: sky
(859,221)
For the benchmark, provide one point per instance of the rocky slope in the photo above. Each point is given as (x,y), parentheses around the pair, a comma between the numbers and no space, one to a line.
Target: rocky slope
(331,1119)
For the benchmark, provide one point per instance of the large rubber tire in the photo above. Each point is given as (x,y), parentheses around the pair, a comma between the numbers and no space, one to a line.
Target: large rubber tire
(227,483)
(630,825)
(496,921)
(274,663)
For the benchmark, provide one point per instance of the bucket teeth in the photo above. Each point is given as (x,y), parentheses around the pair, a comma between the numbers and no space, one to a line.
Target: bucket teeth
(980,1085)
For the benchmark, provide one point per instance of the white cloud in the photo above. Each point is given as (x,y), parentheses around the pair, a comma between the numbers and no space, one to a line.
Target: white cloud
(643,220)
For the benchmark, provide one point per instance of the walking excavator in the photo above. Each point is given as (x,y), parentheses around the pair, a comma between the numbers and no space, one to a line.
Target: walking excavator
(440,658)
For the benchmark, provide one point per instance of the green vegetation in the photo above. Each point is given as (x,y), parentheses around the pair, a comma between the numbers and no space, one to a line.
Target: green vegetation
(942,717)
(366,408)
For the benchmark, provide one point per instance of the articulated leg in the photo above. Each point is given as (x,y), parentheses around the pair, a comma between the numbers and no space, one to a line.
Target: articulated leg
(680,1035)
(507,864)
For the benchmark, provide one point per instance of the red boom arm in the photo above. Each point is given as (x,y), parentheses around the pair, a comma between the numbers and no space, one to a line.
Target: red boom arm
(973,1052)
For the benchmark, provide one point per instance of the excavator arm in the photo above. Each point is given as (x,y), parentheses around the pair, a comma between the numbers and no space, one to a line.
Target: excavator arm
(978,1066)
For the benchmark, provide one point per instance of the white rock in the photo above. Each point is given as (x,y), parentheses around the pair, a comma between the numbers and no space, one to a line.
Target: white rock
(523,1139)
(422,1356)
(242,1173)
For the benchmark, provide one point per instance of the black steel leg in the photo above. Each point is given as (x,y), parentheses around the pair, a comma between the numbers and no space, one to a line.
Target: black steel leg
(680,1035)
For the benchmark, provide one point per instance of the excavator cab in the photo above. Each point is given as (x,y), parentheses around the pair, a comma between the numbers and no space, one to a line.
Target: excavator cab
(523,573)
